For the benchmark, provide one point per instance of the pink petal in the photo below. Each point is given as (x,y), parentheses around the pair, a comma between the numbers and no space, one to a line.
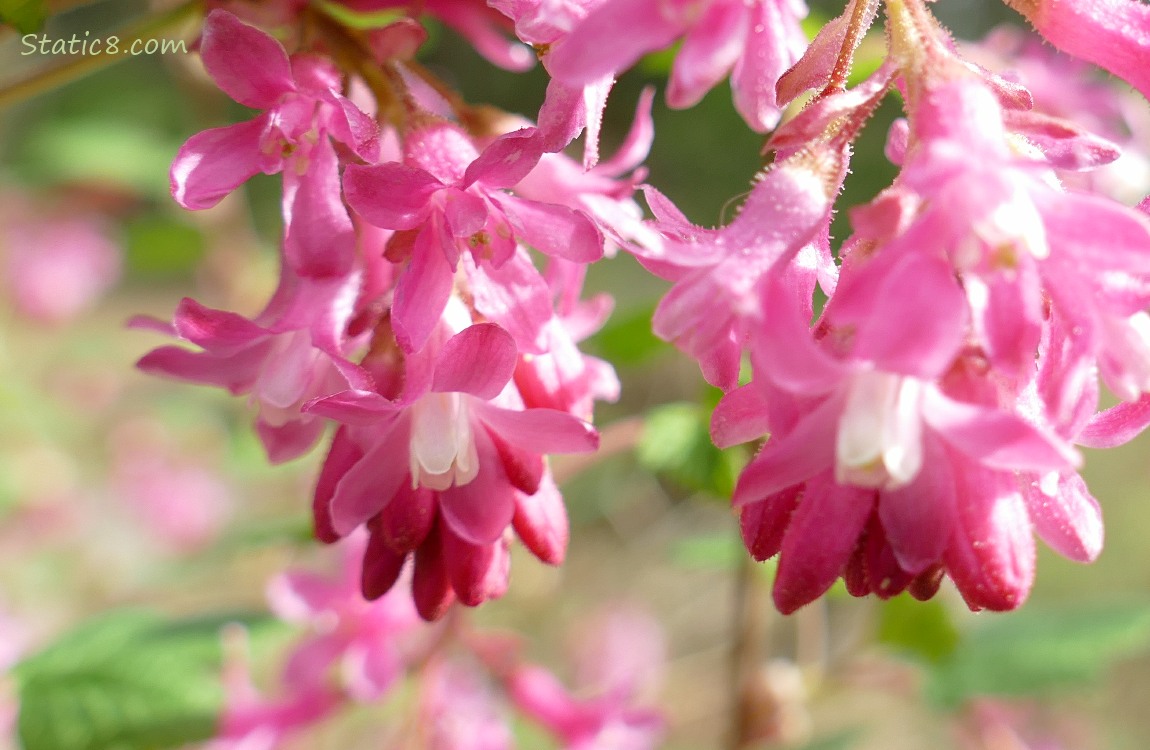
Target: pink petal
(1065,144)
(479,511)
(637,145)
(422,291)
(371,483)
(710,48)
(381,567)
(918,518)
(236,373)
(355,129)
(1089,233)
(764,523)
(539,430)
(371,668)
(740,417)
(773,43)
(541,522)
(479,360)
(611,38)
(991,554)
(516,297)
(319,240)
(1109,33)
(392,195)
(477,572)
(911,320)
(215,162)
(813,69)
(218,331)
(355,407)
(342,455)
(430,587)
(250,66)
(408,518)
(994,438)
(290,440)
(552,229)
(793,458)
(784,351)
(1066,516)
(1117,425)
(507,160)
(820,538)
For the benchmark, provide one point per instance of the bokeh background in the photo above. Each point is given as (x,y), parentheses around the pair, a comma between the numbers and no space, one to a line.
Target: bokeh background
(120,491)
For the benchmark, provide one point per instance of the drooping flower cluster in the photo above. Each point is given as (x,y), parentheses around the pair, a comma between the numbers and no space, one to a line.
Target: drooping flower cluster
(922,423)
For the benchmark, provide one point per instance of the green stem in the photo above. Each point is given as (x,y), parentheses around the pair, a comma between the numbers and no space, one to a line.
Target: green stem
(46,80)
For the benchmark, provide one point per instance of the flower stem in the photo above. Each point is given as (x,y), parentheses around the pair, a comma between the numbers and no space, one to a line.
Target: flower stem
(746,654)
(46,80)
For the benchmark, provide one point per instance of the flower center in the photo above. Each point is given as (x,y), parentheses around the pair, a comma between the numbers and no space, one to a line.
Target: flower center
(442,451)
(879,440)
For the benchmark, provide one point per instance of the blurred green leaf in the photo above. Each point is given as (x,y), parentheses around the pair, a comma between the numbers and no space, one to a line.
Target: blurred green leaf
(161,246)
(26,16)
(922,629)
(838,741)
(128,680)
(676,442)
(722,551)
(98,150)
(363,20)
(1038,649)
(627,339)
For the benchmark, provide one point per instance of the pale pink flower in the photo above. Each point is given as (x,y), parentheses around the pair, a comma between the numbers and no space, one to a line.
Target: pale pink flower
(459,710)
(304,110)
(447,203)
(753,41)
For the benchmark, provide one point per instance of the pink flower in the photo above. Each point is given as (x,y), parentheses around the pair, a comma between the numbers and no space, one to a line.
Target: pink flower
(368,643)
(304,109)
(56,267)
(446,203)
(753,41)
(291,353)
(460,711)
(446,467)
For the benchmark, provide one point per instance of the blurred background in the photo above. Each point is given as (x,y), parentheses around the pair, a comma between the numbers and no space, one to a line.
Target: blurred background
(120,491)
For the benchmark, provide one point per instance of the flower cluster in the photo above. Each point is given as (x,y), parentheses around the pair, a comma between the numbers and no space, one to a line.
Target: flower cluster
(922,423)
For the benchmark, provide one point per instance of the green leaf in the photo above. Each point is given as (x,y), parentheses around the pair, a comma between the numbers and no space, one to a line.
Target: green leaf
(720,551)
(1038,649)
(128,680)
(838,741)
(363,20)
(922,629)
(100,150)
(159,246)
(676,442)
(26,16)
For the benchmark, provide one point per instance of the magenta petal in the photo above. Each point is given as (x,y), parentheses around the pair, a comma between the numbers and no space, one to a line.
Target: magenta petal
(353,407)
(215,162)
(250,66)
(997,439)
(479,360)
(820,538)
(554,230)
(215,330)
(541,522)
(1094,233)
(430,588)
(786,353)
(789,460)
(1109,33)
(507,160)
(381,568)
(991,554)
(355,129)
(774,41)
(1066,516)
(637,145)
(918,518)
(740,417)
(1117,425)
(516,297)
(915,320)
(477,572)
(342,455)
(236,373)
(813,69)
(611,38)
(710,48)
(480,511)
(319,240)
(407,520)
(371,483)
(540,430)
(392,195)
(289,440)
(764,523)
(422,291)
